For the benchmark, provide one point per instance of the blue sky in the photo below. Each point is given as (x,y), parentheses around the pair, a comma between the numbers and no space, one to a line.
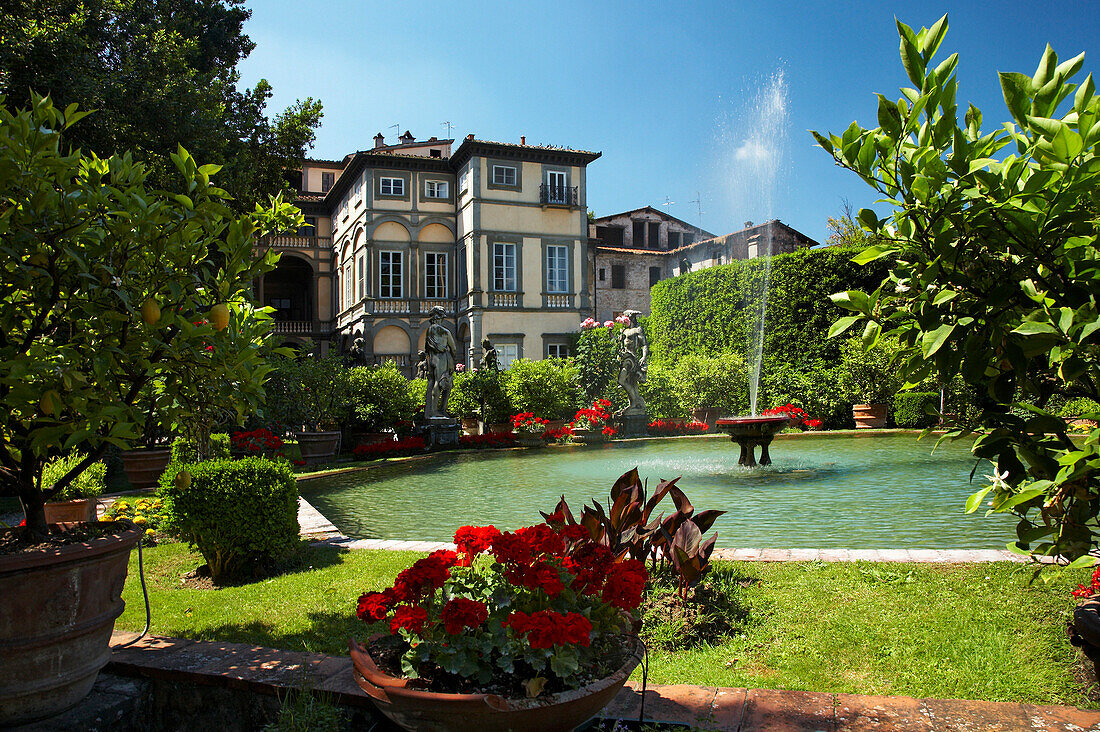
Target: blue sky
(681,98)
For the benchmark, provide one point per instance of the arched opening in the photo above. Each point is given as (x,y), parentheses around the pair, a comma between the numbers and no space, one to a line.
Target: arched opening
(289,289)
(436,233)
(391,343)
(464,343)
(391,231)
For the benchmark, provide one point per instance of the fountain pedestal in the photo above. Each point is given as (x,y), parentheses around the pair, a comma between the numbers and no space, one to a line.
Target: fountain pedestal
(438,432)
(632,425)
(751,432)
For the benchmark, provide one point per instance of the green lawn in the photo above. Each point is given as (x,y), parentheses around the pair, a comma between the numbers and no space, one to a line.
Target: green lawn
(947,631)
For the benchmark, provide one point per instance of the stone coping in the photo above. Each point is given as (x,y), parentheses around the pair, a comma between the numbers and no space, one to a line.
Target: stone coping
(273,672)
(941,556)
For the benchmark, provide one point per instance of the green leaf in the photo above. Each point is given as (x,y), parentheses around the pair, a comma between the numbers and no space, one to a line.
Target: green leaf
(910,56)
(1045,72)
(1017,94)
(933,341)
(1034,327)
(1082,562)
(870,254)
(933,37)
(843,324)
(975,500)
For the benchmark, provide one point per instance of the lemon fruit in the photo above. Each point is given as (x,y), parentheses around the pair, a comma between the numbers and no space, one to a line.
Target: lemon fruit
(150,312)
(219,316)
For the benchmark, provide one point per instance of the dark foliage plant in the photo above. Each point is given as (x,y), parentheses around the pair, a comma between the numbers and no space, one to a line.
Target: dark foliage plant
(242,515)
(186,450)
(916,409)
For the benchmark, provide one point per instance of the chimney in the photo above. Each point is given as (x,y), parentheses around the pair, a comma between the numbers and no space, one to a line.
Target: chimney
(470,137)
(379,141)
(748,224)
(523,139)
(406,138)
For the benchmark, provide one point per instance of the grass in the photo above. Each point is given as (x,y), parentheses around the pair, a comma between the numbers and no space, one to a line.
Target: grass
(976,631)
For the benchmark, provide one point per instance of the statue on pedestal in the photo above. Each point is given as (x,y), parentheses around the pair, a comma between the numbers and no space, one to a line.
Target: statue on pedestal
(442,354)
(489,360)
(633,355)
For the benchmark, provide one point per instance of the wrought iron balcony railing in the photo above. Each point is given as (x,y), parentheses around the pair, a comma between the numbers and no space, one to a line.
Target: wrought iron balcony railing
(558,195)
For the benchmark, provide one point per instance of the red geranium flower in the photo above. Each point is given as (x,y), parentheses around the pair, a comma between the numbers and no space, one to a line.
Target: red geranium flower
(462,613)
(373,606)
(547,628)
(409,617)
(473,540)
(624,584)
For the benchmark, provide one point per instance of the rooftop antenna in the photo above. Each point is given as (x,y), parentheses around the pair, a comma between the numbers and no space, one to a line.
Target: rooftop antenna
(668,204)
(448,125)
(396,130)
(698,208)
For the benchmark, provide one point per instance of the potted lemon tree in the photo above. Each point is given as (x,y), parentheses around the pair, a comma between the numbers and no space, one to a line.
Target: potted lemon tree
(108,288)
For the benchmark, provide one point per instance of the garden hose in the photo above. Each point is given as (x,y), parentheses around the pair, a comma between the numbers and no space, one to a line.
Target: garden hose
(145,594)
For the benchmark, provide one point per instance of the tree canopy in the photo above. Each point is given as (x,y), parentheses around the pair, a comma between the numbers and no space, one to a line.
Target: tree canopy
(157,73)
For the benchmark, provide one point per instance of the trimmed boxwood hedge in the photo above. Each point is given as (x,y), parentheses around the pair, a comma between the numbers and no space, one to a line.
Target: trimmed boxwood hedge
(713,311)
(241,514)
(911,408)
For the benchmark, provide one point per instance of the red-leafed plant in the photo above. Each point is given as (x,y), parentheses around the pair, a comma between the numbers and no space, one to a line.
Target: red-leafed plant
(627,528)
(546,604)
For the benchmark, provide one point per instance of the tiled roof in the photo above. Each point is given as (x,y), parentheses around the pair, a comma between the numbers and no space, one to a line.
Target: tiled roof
(624,250)
(662,214)
(553,148)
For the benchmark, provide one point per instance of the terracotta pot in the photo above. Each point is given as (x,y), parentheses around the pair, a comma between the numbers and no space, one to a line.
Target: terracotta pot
(57,611)
(869,416)
(144,466)
(414,709)
(1084,630)
(317,447)
(82,509)
(529,440)
(709,415)
(496,427)
(471,425)
(590,437)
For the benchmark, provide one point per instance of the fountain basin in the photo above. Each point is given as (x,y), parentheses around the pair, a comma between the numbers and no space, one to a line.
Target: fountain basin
(752,432)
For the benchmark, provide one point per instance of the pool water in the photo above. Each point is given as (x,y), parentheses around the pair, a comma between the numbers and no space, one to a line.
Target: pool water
(844,491)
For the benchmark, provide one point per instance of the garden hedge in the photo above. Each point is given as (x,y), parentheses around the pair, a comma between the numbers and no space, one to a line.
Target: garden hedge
(185,450)
(913,408)
(714,310)
(241,514)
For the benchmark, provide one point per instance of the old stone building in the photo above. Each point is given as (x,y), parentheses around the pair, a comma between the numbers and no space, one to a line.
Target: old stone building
(623,274)
(496,234)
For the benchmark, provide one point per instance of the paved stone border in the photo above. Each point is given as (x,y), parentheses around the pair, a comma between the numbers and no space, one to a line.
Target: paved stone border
(272,672)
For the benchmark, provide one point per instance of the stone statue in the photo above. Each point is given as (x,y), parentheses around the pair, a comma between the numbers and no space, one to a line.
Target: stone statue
(633,355)
(685,265)
(442,353)
(357,355)
(489,361)
(421,365)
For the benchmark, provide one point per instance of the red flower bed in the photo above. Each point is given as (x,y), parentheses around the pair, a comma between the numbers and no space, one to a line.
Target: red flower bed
(406,446)
(665,427)
(798,416)
(489,439)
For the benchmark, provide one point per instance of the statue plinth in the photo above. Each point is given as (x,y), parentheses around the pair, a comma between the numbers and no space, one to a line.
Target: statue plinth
(438,432)
(629,423)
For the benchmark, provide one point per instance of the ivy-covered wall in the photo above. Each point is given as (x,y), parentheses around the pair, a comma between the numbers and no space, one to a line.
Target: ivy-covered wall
(714,310)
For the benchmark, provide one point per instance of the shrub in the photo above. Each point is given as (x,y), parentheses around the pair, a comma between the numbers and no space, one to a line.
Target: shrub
(418,390)
(596,360)
(718,381)
(89,483)
(816,389)
(916,408)
(186,450)
(868,376)
(308,391)
(242,515)
(380,397)
(1078,408)
(662,392)
(546,388)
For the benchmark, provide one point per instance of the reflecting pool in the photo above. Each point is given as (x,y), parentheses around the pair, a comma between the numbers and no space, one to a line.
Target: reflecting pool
(856,492)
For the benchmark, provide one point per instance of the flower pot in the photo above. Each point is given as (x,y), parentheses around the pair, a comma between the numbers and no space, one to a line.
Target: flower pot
(414,709)
(869,416)
(82,509)
(709,415)
(316,447)
(589,437)
(471,425)
(144,466)
(57,611)
(530,440)
(1084,630)
(498,427)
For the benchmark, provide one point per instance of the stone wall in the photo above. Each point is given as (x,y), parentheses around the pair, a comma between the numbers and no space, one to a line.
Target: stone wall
(634,295)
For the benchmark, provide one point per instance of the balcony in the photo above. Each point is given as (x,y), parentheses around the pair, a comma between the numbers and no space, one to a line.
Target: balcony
(504,299)
(558,195)
(557,302)
(294,241)
(306,328)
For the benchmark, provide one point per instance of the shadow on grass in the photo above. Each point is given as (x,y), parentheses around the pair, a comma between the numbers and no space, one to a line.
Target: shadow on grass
(327,632)
(304,558)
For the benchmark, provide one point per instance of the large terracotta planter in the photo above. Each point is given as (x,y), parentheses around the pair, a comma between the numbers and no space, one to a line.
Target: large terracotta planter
(57,611)
(317,447)
(413,709)
(143,467)
(530,440)
(869,416)
(82,509)
(589,437)
(1084,630)
(471,425)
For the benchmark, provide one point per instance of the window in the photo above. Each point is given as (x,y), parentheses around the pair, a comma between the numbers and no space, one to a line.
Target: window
(435,275)
(435,189)
(464,179)
(673,240)
(327,180)
(557,350)
(654,275)
(504,266)
(391,187)
(603,274)
(435,153)
(362,277)
(618,277)
(753,251)
(507,353)
(359,192)
(557,269)
(390,272)
(654,235)
(309,228)
(639,234)
(557,186)
(347,286)
(504,175)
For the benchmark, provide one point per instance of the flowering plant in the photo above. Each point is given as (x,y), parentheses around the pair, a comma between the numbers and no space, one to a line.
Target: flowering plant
(622,320)
(595,417)
(257,441)
(797,416)
(545,604)
(1093,588)
(677,427)
(527,423)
